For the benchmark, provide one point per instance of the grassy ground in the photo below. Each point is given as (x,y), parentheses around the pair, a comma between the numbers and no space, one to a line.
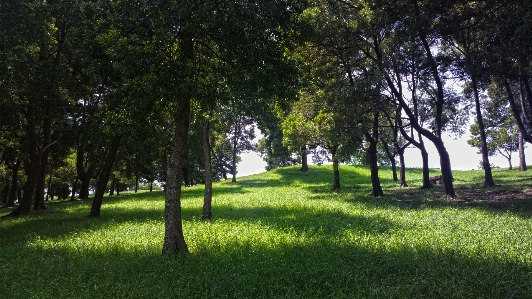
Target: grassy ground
(283,234)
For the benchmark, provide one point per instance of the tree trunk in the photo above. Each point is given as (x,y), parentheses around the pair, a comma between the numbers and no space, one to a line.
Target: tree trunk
(74,187)
(136,183)
(233,168)
(14,184)
(5,194)
(44,152)
(336,170)
(33,167)
(488,178)
(402,166)
(391,157)
(49,186)
(113,184)
(207,195)
(174,240)
(101,186)
(522,158)
(373,159)
(304,159)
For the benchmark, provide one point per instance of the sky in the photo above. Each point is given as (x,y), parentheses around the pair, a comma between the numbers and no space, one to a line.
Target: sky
(462,155)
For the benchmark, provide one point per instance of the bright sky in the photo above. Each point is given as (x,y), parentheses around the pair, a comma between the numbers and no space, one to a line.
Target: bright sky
(463,157)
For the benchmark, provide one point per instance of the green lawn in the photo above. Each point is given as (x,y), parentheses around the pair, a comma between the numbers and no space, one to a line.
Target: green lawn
(283,234)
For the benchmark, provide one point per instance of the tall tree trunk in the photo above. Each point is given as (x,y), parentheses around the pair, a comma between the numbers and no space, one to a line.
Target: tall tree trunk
(104,177)
(304,159)
(373,138)
(336,170)
(488,178)
(207,195)
(174,239)
(44,152)
(33,167)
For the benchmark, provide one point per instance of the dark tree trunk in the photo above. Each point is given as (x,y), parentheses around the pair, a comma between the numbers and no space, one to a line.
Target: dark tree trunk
(101,186)
(424,158)
(50,191)
(522,158)
(520,119)
(402,171)
(336,170)
(85,184)
(373,159)
(33,167)
(84,176)
(391,157)
(136,183)
(233,168)
(174,239)
(207,196)
(41,179)
(5,194)
(74,187)
(151,186)
(14,184)
(304,159)
(113,184)
(117,187)
(488,178)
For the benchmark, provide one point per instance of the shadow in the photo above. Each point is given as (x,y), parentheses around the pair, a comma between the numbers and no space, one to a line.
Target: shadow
(317,270)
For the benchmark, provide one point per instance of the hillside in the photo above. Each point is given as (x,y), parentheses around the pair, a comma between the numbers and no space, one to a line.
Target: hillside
(283,234)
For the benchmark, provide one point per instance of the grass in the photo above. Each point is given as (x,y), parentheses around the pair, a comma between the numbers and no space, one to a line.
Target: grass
(283,234)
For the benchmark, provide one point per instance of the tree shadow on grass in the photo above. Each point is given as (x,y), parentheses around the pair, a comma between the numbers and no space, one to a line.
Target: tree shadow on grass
(316,270)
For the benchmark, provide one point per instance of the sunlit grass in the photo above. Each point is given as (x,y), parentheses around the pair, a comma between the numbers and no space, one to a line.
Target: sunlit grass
(281,234)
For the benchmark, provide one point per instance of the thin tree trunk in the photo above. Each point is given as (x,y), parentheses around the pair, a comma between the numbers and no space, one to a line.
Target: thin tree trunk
(136,183)
(522,158)
(207,195)
(304,159)
(488,178)
(233,168)
(373,138)
(391,157)
(336,170)
(49,186)
(402,168)
(104,177)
